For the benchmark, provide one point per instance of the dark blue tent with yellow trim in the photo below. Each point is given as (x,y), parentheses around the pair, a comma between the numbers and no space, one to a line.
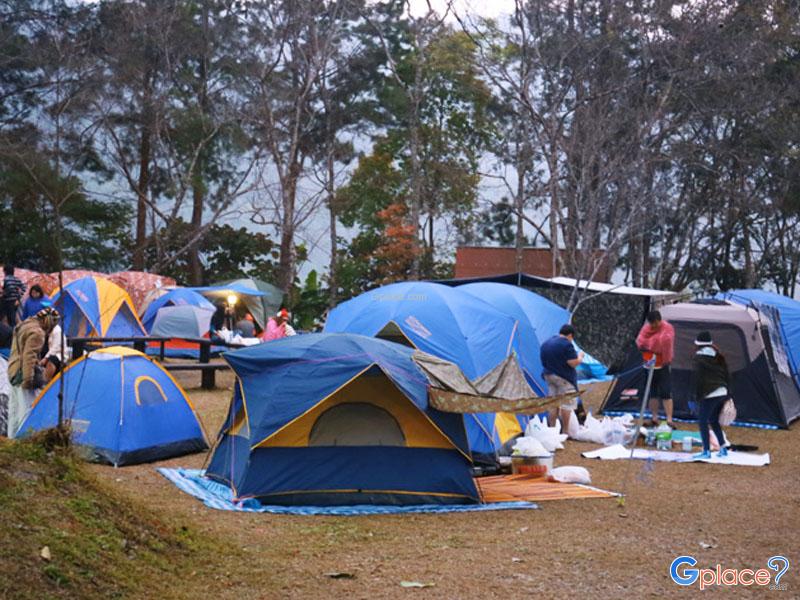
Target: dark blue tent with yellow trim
(338,419)
(123,409)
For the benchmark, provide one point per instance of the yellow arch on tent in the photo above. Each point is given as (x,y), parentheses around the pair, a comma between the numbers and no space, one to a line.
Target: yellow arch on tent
(142,378)
(418,429)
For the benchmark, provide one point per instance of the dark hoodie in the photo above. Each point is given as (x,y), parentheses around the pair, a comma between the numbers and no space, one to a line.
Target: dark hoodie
(710,372)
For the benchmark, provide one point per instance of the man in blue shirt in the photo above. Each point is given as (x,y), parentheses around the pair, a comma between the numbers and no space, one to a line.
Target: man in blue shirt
(559,360)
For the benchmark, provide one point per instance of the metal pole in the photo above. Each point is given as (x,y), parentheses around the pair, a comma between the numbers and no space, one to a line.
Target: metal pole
(651,365)
(62,341)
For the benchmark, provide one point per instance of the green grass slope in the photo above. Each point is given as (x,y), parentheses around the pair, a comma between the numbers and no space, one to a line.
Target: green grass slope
(99,545)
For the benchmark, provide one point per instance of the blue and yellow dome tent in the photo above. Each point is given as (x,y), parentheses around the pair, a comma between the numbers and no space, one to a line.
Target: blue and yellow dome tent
(96,307)
(452,325)
(124,409)
(338,419)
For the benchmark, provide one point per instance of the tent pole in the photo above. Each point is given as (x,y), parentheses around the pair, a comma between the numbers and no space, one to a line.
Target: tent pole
(651,365)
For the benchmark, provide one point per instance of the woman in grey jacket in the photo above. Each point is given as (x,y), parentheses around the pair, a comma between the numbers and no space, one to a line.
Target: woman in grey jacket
(712,388)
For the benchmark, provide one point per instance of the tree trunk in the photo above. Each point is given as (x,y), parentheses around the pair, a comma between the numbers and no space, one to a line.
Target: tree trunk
(519,205)
(333,295)
(286,262)
(144,181)
(416,174)
(198,191)
(195,267)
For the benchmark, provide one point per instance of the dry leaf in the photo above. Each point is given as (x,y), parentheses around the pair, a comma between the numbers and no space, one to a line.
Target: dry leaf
(45,553)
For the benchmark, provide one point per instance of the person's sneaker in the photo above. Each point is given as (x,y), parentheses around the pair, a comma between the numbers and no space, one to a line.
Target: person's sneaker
(701,455)
(723,452)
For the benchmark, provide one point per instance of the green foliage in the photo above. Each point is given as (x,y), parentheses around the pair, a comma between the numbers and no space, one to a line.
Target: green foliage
(309,303)
(226,252)
(95,233)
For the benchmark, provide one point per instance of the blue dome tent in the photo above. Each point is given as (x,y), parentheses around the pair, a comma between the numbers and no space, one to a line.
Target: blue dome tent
(124,409)
(175,297)
(324,419)
(447,323)
(543,319)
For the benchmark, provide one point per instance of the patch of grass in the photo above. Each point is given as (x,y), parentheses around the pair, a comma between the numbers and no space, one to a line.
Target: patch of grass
(101,545)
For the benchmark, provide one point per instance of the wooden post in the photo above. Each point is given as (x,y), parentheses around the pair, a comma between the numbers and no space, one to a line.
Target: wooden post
(207,376)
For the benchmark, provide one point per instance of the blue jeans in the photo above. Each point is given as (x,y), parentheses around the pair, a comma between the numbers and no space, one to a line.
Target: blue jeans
(709,415)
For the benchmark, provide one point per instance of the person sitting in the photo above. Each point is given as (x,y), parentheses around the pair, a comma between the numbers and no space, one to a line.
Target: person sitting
(36,301)
(246,327)
(712,381)
(559,360)
(278,326)
(219,322)
(53,359)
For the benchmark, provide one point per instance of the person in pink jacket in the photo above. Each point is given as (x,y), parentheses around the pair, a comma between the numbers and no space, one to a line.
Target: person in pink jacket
(278,326)
(656,341)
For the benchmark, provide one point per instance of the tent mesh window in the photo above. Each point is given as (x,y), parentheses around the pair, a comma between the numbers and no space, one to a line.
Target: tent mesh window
(729,337)
(356,424)
(148,392)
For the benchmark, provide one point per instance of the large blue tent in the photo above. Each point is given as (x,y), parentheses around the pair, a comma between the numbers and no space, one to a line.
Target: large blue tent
(174,297)
(328,419)
(782,311)
(123,408)
(447,323)
(544,319)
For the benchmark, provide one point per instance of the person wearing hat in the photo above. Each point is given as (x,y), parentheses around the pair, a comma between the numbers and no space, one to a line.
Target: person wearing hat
(26,348)
(278,326)
(712,384)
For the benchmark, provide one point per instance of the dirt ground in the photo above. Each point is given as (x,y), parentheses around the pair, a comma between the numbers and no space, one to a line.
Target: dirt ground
(737,517)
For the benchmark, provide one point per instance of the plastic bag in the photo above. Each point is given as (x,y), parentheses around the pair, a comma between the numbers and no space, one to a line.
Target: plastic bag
(571,475)
(529,446)
(728,413)
(550,437)
(608,431)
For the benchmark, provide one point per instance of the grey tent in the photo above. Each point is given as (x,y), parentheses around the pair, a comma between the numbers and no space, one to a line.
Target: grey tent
(762,388)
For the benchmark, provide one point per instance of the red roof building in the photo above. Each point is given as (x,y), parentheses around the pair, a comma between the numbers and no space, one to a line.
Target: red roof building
(476,261)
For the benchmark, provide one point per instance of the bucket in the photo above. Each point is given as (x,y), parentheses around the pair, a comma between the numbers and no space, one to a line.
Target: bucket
(539,466)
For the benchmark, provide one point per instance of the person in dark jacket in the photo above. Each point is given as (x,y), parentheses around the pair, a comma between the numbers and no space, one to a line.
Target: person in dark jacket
(13,291)
(712,390)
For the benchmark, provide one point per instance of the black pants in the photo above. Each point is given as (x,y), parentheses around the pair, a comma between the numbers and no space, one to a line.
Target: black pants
(9,311)
(709,415)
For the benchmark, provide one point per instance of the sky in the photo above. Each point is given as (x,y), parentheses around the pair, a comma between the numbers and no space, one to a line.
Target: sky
(485,8)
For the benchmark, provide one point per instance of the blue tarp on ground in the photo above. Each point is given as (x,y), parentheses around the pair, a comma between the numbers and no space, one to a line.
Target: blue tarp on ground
(218,496)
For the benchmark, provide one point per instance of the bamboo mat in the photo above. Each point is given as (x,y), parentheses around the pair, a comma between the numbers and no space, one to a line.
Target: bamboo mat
(527,488)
